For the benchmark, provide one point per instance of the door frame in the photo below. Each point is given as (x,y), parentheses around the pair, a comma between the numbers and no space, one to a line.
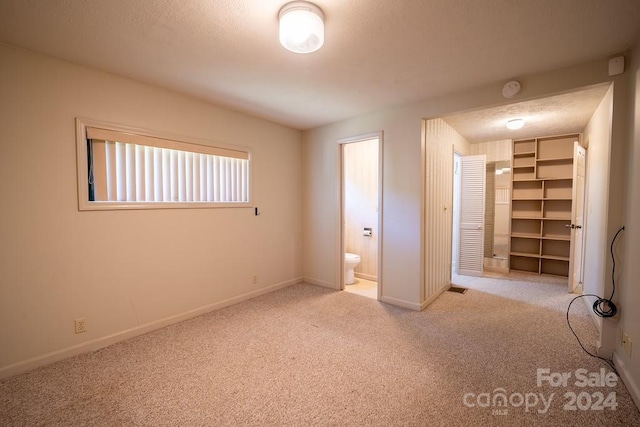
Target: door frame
(572,248)
(341,204)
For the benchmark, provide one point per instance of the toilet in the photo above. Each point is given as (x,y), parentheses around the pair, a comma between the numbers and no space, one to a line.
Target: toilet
(350,262)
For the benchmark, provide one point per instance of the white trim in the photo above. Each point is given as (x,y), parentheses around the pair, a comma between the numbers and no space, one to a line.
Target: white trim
(322,283)
(365,276)
(627,379)
(81,167)
(401,303)
(101,342)
(609,326)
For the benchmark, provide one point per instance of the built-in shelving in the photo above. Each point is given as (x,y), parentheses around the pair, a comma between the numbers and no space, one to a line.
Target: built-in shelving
(541,203)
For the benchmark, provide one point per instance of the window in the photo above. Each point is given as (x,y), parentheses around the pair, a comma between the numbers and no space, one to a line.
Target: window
(124,168)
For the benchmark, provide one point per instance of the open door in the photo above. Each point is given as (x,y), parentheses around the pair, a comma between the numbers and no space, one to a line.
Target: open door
(455,232)
(577,218)
(472,198)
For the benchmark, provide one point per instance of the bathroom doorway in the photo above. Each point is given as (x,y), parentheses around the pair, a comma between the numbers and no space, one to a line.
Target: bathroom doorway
(360,228)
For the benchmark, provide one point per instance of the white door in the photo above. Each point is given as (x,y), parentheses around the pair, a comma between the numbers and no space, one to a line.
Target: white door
(472,197)
(456,213)
(577,217)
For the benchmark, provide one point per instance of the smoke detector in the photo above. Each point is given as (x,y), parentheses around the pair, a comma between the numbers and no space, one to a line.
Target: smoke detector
(511,89)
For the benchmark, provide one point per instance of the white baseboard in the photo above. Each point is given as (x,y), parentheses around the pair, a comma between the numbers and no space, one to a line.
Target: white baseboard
(401,303)
(319,282)
(627,379)
(98,343)
(366,276)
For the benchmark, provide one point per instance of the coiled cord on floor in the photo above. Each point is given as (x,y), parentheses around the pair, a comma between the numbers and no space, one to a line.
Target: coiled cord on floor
(609,362)
(603,307)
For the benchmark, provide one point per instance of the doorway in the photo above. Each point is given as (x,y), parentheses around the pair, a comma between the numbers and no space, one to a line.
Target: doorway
(485,132)
(360,231)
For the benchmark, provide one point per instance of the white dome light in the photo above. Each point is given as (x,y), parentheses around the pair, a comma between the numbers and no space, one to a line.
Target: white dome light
(515,124)
(301,27)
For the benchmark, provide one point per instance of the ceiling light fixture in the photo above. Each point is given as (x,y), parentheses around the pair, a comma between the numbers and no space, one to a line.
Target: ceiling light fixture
(515,124)
(301,27)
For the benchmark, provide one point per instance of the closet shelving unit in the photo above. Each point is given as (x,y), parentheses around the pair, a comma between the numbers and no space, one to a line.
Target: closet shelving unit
(541,203)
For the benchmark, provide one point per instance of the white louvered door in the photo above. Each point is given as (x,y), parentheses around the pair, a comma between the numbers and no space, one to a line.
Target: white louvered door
(472,215)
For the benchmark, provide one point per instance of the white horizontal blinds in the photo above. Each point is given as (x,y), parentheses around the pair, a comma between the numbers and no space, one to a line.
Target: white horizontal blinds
(130,172)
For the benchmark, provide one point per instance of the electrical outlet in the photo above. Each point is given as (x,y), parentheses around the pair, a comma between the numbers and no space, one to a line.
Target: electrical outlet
(255,279)
(626,344)
(81,325)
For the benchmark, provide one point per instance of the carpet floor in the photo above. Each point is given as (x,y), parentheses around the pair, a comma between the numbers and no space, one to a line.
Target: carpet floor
(306,355)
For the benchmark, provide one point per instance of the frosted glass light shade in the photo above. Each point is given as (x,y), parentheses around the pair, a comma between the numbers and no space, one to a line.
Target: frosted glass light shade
(515,124)
(301,27)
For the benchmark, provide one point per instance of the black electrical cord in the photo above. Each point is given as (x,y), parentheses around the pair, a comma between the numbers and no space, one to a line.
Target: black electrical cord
(602,307)
(578,339)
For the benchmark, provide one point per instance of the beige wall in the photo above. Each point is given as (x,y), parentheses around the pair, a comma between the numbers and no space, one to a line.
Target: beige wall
(321,210)
(124,271)
(628,284)
(597,136)
(361,204)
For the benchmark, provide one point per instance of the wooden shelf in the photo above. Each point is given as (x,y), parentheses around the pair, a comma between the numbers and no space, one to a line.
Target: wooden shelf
(541,204)
(558,258)
(564,238)
(554,159)
(525,254)
(525,154)
(525,236)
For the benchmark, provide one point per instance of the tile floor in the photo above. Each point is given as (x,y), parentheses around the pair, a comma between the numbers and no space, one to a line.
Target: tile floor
(364,287)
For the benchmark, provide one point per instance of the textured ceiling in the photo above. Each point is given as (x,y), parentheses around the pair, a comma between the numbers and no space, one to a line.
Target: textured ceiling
(377,54)
(555,115)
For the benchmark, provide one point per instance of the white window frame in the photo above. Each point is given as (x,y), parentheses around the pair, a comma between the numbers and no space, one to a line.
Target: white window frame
(84,204)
